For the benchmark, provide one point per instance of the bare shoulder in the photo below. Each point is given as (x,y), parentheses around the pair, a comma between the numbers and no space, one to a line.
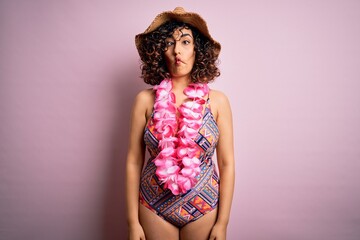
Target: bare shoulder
(145,95)
(144,101)
(218,97)
(144,98)
(219,102)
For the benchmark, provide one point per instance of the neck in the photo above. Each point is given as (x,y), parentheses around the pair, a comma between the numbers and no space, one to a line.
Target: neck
(180,82)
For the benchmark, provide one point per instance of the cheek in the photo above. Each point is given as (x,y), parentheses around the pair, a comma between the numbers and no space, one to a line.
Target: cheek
(166,56)
(192,58)
(167,59)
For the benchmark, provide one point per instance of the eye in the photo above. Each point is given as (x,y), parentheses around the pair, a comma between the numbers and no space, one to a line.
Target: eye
(186,42)
(169,43)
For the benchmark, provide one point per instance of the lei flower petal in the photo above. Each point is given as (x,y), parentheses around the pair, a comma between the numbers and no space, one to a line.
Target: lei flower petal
(177,164)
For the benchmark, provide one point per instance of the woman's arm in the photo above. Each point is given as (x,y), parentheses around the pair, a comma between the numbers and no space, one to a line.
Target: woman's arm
(135,160)
(226,163)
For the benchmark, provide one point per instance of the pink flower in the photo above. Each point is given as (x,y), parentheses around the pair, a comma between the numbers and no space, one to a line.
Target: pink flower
(187,132)
(187,142)
(183,151)
(164,162)
(169,106)
(184,183)
(167,152)
(165,172)
(196,90)
(174,187)
(191,162)
(158,116)
(177,164)
(167,142)
(194,106)
(187,172)
(165,84)
(195,124)
(188,113)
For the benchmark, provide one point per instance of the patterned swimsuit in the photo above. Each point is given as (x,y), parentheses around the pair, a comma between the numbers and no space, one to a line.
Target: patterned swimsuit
(202,198)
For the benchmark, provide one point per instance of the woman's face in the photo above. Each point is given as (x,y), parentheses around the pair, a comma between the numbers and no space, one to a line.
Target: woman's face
(180,53)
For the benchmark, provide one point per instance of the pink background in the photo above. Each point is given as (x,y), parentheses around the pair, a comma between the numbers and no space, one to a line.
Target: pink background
(69,72)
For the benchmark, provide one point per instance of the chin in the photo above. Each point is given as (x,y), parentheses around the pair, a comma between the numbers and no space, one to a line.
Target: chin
(180,74)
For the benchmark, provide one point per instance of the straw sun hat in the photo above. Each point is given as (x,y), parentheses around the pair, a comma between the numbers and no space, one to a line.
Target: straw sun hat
(179,14)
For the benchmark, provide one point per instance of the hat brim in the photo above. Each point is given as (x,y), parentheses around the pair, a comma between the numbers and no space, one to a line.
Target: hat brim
(180,15)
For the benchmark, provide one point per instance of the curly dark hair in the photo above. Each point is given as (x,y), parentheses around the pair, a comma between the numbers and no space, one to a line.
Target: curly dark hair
(151,51)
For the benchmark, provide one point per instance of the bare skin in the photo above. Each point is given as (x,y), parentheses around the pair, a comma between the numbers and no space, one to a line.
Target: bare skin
(180,57)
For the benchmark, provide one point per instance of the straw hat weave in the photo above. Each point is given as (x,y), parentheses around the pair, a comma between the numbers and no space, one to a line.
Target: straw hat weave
(178,14)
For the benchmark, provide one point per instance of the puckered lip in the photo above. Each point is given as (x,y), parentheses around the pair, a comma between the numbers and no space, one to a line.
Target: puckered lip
(178,60)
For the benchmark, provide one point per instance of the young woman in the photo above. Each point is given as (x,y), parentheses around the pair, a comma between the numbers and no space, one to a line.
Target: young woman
(177,193)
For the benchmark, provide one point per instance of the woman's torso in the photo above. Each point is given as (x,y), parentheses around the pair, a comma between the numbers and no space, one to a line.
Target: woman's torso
(203,197)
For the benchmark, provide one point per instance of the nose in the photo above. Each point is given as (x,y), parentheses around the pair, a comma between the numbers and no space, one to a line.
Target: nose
(177,48)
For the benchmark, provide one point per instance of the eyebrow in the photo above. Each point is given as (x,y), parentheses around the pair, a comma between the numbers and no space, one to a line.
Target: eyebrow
(181,36)
(185,34)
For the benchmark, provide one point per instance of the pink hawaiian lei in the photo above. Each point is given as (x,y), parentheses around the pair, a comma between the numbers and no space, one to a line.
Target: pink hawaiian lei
(178,162)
